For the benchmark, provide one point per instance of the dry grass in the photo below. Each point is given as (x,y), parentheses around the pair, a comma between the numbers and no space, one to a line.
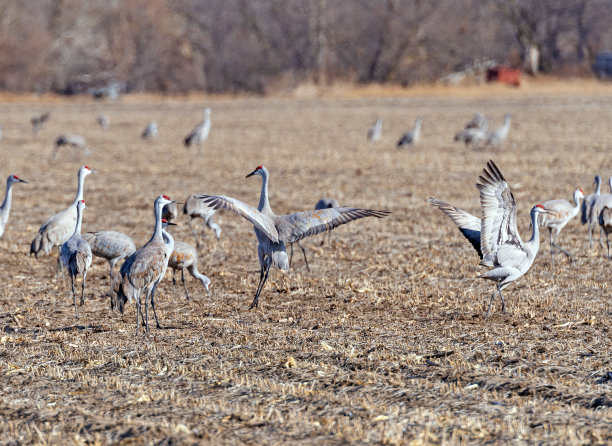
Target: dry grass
(383,342)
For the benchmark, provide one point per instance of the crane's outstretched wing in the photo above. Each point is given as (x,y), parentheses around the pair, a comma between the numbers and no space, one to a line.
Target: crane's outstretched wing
(260,221)
(499,214)
(296,226)
(468,224)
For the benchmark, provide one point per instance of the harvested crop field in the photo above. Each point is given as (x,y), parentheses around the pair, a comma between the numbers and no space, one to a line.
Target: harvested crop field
(383,341)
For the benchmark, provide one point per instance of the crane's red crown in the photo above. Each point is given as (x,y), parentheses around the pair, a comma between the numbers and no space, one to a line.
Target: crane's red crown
(166,197)
(16,177)
(540,206)
(164,220)
(581,191)
(87,167)
(83,201)
(259,167)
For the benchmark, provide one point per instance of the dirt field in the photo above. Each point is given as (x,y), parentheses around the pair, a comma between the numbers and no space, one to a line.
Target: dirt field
(382,342)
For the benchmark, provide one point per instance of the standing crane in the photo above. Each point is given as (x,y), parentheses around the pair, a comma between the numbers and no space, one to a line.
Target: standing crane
(561,212)
(323,203)
(200,132)
(5,208)
(110,245)
(273,230)
(185,257)
(605,221)
(597,204)
(196,208)
(587,205)
(38,121)
(141,272)
(151,131)
(474,131)
(496,237)
(57,229)
(75,255)
(104,122)
(375,132)
(497,136)
(411,137)
(74,141)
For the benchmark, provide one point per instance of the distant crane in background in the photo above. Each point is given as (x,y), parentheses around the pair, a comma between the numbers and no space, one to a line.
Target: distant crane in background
(57,229)
(104,122)
(200,132)
(75,254)
(411,137)
(5,208)
(75,141)
(497,136)
(38,121)
(561,212)
(273,231)
(474,131)
(150,131)
(496,237)
(375,132)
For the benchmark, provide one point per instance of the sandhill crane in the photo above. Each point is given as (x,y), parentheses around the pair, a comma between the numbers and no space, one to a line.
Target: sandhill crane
(151,131)
(110,245)
(5,208)
(586,209)
(498,135)
(104,122)
(273,231)
(323,203)
(495,237)
(412,136)
(605,221)
(38,121)
(74,141)
(479,121)
(57,229)
(474,131)
(75,255)
(196,208)
(185,257)
(561,212)
(200,132)
(141,272)
(375,132)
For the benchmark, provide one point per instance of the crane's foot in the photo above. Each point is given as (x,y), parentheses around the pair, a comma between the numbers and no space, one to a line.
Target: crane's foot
(255,303)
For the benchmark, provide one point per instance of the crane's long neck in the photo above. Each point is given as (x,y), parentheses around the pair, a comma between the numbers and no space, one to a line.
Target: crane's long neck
(264,204)
(168,240)
(597,185)
(80,187)
(8,197)
(157,233)
(576,202)
(610,184)
(77,229)
(534,241)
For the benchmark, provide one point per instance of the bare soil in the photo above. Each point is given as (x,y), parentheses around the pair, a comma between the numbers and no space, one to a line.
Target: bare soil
(382,342)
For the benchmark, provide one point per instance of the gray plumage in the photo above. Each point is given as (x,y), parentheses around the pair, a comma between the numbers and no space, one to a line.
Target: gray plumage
(479,121)
(74,141)
(196,208)
(375,132)
(170,211)
(274,231)
(605,221)
(498,135)
(411,137)
(151,131)
(104,122)
(75,255)
(200,132)
(57,229)
(594,208)
(5,208)
(185,257)
(141,272)
(110,245)
(496,237)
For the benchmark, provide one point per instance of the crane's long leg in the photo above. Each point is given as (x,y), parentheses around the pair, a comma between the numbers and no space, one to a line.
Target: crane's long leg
(262,282)
(291,255)
(147,311)
(76,311)
(184,283)
(501,296)
(157,324)
(83,288)
(552,251)
(564,251)
(138,311)
(491,302)
(608,243)
(304,252)
(173,282)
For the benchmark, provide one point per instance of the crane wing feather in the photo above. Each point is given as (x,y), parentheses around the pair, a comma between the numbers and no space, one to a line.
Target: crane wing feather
(296,226)
(468,224)
(259,220)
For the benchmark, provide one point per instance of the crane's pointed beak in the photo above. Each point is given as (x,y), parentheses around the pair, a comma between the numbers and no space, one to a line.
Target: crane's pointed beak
(24,181)
(169,223)
(177,202)
(251,174)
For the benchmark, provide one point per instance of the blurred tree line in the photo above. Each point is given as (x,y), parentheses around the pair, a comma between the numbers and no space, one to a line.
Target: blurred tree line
(263,45)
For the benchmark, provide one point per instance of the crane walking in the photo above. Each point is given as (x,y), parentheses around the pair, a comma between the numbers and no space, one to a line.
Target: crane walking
(496,237)
(185,257)
(200,132)
(141,272)
(57,229)
(196,208)
(75,255)
(274,231)
(561,212)
(110,245)
(411,137)
(5,208)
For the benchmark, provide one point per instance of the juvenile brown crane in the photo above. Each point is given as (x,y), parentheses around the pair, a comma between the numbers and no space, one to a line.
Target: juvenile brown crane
(75,255)
(57,229)
(496,237)
(274,231)
(141,272)
(185,257)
